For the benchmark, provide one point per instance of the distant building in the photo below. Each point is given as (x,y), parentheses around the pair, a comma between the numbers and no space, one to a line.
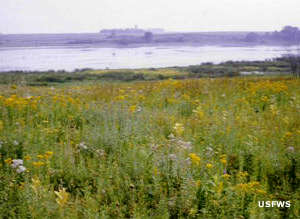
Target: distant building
(121,32)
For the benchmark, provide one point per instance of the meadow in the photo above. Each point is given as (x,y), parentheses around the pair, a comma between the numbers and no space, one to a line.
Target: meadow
(193,148)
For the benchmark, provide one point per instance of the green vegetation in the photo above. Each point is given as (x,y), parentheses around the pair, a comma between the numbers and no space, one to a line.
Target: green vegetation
(273,67)
(194,148)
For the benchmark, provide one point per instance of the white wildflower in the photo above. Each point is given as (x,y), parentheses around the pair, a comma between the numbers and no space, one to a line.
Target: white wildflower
(100,152)
(291,149)
(83,146)
(186,145)
(139,109)
(21,169)
(16,163)
(172,157)
(15,142)
(171,136)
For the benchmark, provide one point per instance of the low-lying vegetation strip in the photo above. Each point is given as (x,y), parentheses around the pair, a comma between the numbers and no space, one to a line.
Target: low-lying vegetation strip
(280,66)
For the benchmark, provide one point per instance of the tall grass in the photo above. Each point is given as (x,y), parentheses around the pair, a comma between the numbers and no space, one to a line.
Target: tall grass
(206,148)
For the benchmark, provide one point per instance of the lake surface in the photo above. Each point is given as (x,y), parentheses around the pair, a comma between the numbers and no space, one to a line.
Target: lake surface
(70,58)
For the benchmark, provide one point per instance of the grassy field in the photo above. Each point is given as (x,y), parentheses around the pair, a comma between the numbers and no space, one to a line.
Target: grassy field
(194,148)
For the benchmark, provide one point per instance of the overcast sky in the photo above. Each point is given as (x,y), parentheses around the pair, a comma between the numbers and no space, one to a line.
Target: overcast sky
(74,16)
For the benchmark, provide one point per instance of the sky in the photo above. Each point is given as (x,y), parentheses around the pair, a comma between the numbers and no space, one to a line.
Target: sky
(81,16)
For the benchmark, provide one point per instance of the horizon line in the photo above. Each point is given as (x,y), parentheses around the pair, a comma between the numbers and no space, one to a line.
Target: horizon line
(166,31)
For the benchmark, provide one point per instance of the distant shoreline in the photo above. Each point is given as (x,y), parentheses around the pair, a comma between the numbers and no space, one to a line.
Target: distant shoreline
(96,40)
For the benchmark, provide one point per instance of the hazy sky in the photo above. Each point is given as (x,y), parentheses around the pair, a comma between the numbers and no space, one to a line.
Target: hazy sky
(55,16)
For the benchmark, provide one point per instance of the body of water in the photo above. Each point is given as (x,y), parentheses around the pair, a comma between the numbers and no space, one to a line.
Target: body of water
(70,58)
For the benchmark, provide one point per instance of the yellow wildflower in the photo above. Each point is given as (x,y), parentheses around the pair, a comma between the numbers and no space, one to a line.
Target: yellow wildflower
(288,134)
(40,156)
(223,161)
(8,161)
(253,184)
(132,108)
(209,166)
(260,191)
(62,197)
(195,159)
(242,174)
(243,187)
(38,164)
(27,157)
(178,128)
(199,112)
(48,154)
(35,184)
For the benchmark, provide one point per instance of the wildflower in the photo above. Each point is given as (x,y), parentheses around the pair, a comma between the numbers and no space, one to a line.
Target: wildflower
(194,158)
(35,184)
(15,142)
(83,146)
(171,136)
(178,128)
(264,99)
(260,191)
(132,108)
(40,156)
(253,184)
(209,151)
(242,174)
(27,157)
(187,145)
(38,163)
(8,161)
(226,176)
(223,161)
(243,187)
(199,112)
(209,166)
(16,163)
(288,134)
(172,156)
(48,154)
(139,109)
(100,152)
(62,197)
(291,149)
(20,169)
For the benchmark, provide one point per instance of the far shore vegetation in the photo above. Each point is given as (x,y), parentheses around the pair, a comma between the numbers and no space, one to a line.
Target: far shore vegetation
(280,66)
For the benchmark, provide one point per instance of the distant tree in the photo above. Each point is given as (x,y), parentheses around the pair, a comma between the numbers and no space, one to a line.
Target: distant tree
(288,34)
(294,62)
(148,36)
(252,37)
